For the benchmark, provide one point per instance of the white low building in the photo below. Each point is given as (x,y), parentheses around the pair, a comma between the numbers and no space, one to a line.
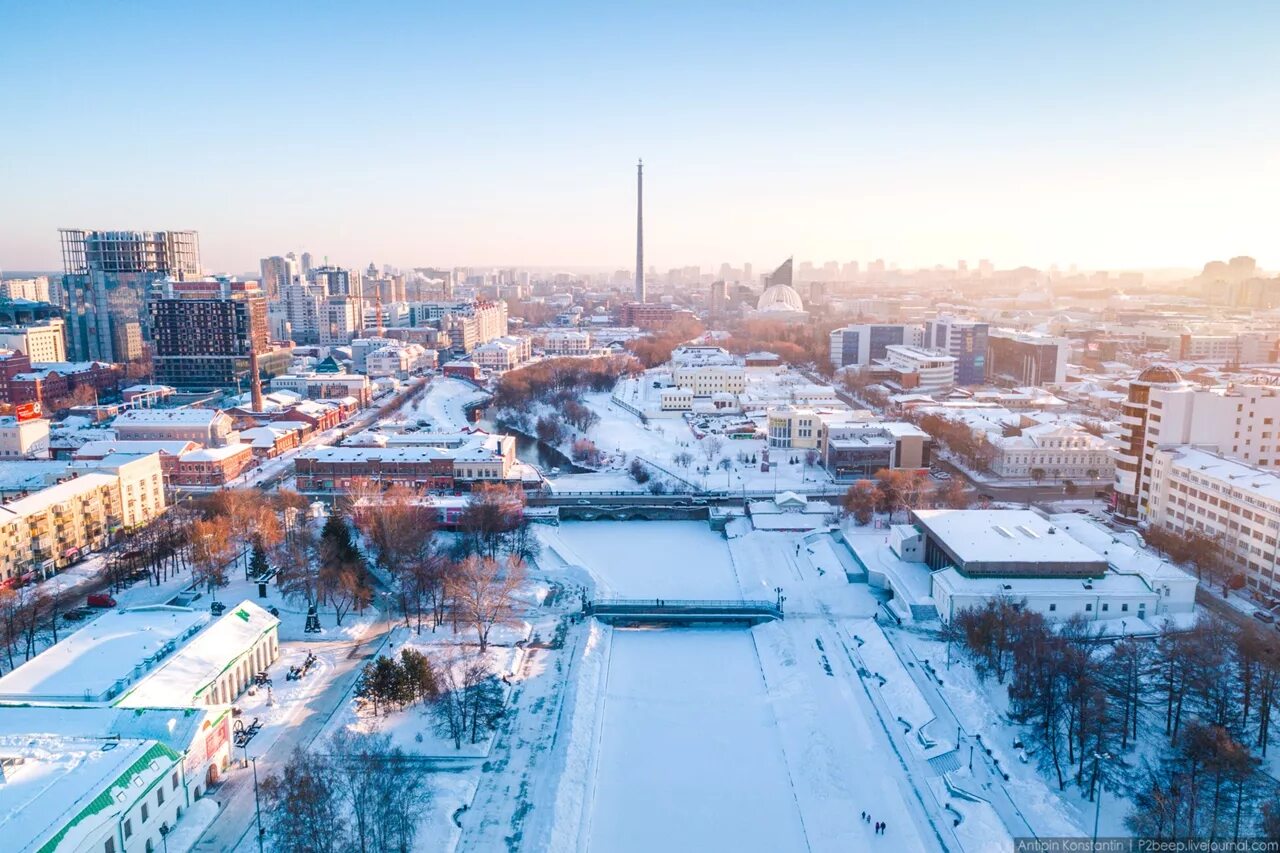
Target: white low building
(105,658)
(1060,566)
(216,666)
(23,438)
(1058,451)
(921,370)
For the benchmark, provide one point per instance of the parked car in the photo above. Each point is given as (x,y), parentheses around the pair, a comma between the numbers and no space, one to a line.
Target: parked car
(100,599)
(76,614)
(1263,616)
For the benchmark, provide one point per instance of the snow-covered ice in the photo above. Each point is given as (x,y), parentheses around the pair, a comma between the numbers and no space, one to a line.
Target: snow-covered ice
(655,559)
(690,757)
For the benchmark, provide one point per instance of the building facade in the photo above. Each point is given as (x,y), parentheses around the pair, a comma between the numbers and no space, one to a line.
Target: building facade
(1019,358)
(204,332)
(964,340)
(107,279)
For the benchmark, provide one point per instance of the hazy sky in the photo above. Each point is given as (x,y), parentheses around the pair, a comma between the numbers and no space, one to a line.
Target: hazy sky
(1109,134)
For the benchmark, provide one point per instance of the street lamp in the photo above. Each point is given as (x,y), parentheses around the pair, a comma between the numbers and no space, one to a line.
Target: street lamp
(257,807)
(164,836)
(1097,807)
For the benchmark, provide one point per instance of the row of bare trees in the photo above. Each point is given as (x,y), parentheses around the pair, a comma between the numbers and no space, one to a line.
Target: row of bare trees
(476,581)
(1179,724)
(899,489)
(364,794)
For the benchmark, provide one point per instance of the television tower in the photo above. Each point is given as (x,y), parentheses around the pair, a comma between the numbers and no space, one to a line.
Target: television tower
(640,231)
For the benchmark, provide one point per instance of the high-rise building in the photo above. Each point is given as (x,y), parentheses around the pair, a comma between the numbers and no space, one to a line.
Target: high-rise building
(206,330)
(1162,410)
(42,340)
(278,272)
(860,345)
(337,281)
(305,263)
(965,341)
(1022,358)
(107,279)
(782,275)
(640,290)
(719,297)
(32,289)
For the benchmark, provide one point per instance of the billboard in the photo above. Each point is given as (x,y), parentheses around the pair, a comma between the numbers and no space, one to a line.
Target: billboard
(27,411)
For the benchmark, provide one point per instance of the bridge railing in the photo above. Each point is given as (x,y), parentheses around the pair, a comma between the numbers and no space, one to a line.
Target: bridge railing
(683,603)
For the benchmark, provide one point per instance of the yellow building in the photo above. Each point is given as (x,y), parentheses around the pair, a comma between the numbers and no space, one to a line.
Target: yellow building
(54,527)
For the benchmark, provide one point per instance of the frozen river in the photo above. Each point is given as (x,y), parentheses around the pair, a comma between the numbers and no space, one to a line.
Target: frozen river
(690,757)
(654,559)
(689,754)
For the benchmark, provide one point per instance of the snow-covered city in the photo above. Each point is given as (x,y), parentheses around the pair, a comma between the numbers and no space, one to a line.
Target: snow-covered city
(459,482)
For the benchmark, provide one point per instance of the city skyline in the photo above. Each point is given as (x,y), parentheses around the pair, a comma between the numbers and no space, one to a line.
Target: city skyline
(919,135)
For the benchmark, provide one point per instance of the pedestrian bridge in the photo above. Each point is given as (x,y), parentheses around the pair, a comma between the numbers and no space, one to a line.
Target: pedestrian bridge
(682,610)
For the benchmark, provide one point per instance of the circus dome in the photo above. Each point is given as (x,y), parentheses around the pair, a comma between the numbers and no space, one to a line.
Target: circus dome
(1160,374)
(780,297)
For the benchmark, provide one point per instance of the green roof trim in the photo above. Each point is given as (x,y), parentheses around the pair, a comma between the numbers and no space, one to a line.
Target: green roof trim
(106,798)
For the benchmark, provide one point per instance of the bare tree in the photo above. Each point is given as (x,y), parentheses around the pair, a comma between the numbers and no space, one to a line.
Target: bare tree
(303,806)
(484,594)
(711,447)
(212,549)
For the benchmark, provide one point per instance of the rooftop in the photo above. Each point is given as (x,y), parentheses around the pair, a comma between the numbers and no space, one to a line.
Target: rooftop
(184,677)
(93,663)
(57,779)
(201,417)
(1238,475)
(101,448)
(1008,541)
(54,495)
(215,454)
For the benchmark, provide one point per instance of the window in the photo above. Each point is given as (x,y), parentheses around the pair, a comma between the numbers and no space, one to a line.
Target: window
(109,846)
(1088,608)
(1106,607)
(1052,607)
(1124,608)
(160,791)
(145,813)
(175,780)
(128,828)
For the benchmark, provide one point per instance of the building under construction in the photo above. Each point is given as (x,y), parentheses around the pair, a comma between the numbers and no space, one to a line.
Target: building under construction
(107,282)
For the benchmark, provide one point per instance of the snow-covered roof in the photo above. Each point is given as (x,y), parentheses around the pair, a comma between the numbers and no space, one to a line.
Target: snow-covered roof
(215,454)
(30,474)
(1022,540)
(104,447)
(183,678)
(54,495)
(200,417)
(59,778)
(103,656)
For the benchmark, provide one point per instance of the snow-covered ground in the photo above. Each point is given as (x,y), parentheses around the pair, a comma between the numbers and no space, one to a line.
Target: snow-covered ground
(443,405)
(690,757)
(654,559)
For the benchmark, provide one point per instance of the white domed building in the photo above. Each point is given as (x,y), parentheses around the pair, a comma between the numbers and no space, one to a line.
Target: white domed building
(781,302)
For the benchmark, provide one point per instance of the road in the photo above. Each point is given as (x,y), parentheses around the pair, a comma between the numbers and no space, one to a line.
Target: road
(234,827)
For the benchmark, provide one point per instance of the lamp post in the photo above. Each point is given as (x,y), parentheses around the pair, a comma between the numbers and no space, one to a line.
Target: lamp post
(1097,807)
(164,836)
(257,807)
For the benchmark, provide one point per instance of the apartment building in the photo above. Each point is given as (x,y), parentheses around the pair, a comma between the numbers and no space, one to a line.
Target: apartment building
(1212,494)
(41,340)
(205,330)
(567,343)
(1238,421)
(51,528)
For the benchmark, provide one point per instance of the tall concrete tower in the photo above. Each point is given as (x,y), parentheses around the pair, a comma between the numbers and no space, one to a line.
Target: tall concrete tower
(640,231)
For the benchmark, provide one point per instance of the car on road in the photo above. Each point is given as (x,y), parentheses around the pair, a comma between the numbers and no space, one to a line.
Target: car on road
(100,600)
(1263,616)
(584,502)
(941,475)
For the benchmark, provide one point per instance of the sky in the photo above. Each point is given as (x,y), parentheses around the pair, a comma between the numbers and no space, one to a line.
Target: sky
(1112,135)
